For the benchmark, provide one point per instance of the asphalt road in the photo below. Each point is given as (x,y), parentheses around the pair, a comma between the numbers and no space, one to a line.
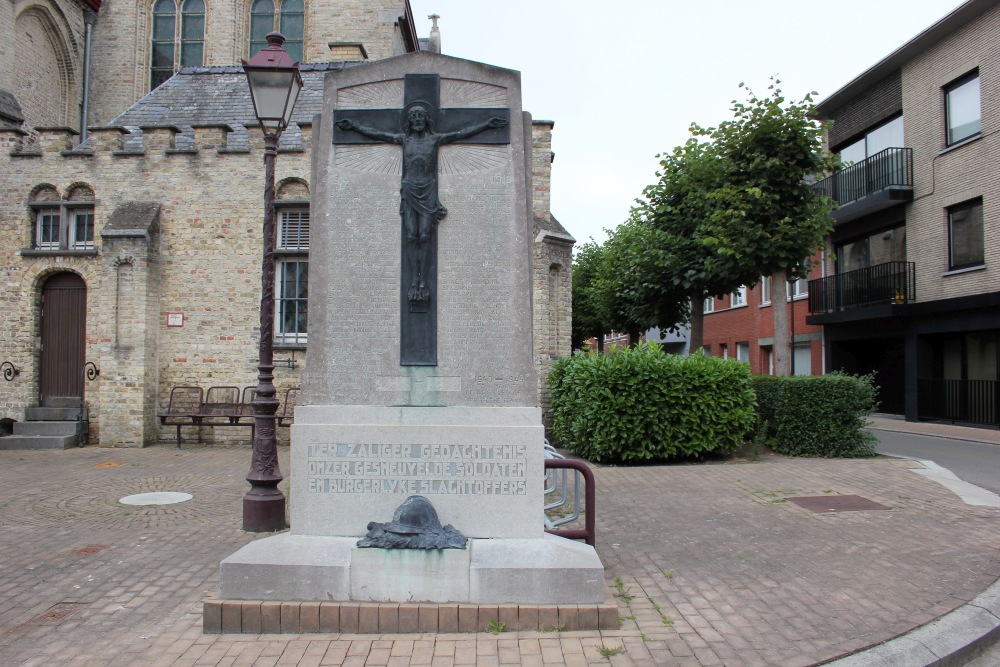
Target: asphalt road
(974,462)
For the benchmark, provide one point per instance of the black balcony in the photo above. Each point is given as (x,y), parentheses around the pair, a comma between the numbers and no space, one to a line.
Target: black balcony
(881,287)
(882,181)
(968,401)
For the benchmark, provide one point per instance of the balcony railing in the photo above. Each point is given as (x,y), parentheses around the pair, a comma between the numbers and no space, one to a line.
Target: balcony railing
(891,168)
(969,401)
(891,282)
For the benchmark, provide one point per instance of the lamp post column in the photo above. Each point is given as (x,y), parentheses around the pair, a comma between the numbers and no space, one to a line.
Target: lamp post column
(264,503)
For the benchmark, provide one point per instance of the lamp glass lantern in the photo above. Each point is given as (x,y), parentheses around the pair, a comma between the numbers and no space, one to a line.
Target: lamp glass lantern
(275,83)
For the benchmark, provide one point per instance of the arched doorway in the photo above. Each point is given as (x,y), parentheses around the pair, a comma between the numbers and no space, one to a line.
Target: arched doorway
(63,329)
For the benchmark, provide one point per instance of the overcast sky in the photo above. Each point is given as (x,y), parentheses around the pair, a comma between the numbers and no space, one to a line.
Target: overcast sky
(624,80)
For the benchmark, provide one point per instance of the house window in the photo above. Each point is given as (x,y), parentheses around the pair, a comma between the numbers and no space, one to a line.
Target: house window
(797,288)
(81,227)
(739,297)
(803,358)
(47,228)
(965,232)
(174,41)
(63,225)
(765,290)
(962,109)
(292,269)
(285,16)
(743,352)
(875,140)
(709,305)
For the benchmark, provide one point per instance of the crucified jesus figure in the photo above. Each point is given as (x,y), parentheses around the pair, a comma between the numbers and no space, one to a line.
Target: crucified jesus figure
(419,206)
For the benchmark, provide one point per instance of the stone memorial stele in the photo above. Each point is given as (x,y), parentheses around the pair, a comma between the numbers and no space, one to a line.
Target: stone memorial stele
(419,377)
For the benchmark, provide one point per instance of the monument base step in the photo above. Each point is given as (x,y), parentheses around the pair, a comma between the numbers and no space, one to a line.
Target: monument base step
(547,570)
(304,617)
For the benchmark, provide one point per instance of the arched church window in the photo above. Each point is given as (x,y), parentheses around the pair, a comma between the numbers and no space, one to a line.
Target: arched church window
(285,16)
(164,30)
(192,32)
(176,43)
(293,18)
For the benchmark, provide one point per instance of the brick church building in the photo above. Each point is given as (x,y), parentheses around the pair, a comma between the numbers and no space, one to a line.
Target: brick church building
(132,202)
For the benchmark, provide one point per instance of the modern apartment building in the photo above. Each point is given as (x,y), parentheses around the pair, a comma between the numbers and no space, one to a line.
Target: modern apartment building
(911,289)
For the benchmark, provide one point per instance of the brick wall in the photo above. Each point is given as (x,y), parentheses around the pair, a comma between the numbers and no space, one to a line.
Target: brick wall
(207,260)
(552,265)
(754,324)
(202,259)
(875,104)
(946,177)
(40,59)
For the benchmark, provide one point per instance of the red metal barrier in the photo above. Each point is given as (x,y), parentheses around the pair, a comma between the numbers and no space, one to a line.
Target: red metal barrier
(589,533)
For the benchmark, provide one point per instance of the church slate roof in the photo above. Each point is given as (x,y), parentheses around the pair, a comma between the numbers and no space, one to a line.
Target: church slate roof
(10,110)
(218,96)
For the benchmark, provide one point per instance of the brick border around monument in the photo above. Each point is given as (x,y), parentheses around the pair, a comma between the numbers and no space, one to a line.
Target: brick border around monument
(299,617)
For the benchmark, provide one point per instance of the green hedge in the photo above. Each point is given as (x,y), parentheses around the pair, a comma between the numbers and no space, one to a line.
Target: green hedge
(818,415)
(641,405)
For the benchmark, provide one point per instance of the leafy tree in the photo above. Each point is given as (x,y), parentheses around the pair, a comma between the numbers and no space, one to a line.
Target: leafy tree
(588,317)
(679,208)
(621,285)
(735,203)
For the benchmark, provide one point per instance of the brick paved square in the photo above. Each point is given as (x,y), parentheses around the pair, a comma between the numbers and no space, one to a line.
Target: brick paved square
(704,584)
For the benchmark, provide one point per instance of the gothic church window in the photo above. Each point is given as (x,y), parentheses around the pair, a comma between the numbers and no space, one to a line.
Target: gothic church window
(285,16)
(176,43)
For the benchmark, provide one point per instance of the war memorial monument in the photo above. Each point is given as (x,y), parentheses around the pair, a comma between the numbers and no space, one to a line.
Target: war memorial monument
(417,456)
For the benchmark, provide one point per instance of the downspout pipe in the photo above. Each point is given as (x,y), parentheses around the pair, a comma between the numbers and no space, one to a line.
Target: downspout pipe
(89,19)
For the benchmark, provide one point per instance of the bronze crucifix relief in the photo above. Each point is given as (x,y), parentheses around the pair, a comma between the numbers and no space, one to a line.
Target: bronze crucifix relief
(420,128)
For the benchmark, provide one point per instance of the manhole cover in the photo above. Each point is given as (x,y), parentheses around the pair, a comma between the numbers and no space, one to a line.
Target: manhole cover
(156,498)
(108,464)
(836,503)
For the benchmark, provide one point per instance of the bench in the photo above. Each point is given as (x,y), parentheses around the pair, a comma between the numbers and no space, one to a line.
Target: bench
(183,409)
(287,415)
(219,407)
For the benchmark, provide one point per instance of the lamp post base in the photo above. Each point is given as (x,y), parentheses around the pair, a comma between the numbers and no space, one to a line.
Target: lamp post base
(264,513)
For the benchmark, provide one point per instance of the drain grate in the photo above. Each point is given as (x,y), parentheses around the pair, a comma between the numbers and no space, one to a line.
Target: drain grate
(53,614)
(91,549)
(836,503)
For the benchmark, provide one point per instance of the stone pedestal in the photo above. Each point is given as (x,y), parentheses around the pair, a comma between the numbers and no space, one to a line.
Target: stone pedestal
(547,570)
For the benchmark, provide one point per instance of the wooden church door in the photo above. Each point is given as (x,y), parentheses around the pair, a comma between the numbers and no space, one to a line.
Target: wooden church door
(64,326)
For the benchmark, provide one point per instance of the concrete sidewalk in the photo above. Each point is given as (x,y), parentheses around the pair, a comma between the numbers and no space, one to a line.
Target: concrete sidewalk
(712,565)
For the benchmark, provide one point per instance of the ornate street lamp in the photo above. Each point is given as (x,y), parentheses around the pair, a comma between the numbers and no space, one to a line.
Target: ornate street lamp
(275,83)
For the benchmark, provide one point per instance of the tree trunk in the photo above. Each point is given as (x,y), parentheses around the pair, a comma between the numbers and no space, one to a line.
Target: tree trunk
(634,336)
(782,350)
(697,335)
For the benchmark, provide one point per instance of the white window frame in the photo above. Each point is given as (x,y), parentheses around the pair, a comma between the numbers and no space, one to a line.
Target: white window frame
(75,215)
(47,218)
(765,290)
(962,89)
(739,297)
(708,306)
(293,248)
(743,352)
(797,289)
